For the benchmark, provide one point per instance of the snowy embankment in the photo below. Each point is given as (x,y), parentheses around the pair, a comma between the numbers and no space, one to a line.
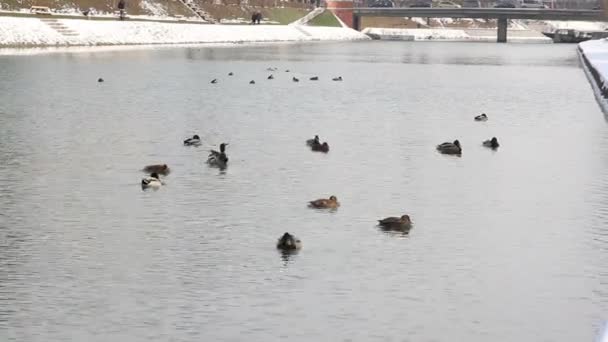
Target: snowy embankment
(594,58)
(446,34)
(47,31)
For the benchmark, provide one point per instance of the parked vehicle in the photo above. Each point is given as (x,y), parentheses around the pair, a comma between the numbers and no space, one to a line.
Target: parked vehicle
(506,4)
(533,4)
(447,4)
(471,4)
(423,3)
(382,3)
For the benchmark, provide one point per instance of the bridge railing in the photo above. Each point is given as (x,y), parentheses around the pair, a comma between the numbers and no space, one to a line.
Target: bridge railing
(551,4)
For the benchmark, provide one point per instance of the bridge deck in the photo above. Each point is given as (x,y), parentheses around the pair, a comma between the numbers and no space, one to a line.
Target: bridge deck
(486,13)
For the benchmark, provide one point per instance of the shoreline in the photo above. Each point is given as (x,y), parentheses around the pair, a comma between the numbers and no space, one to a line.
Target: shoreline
(593,55)
(46,31)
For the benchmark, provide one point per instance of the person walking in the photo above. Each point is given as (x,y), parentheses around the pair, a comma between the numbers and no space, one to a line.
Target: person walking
(121,7)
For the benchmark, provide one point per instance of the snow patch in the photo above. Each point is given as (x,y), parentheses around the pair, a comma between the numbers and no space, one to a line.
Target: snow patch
(34,32)
(594,58)
(155,8)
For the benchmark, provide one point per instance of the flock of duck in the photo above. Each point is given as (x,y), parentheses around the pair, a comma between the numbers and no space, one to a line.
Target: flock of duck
(289,242)
(271,77)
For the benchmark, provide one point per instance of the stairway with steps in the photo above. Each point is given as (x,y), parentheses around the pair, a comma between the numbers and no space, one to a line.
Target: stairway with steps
(197,10)
(60,27)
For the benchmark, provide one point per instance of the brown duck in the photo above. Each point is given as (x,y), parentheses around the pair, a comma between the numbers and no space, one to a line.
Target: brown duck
(324,203)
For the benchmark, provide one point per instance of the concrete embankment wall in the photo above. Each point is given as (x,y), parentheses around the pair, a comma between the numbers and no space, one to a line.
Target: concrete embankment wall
(594,59)
(24,32)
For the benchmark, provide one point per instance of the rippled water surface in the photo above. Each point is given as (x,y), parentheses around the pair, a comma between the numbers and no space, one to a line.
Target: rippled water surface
(509,245)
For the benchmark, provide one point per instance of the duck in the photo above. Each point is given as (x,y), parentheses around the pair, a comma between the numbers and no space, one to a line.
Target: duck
(194,141)
(491,143)
(214,81)
(295,79)
(288,242)
(481,117)
(218,159)
(270,77)
(271,69)
(100,80)
(230,74)
(337,79)
(151,182)
(252,82)
(162,169)
(450,148)
(324,147)
(312,142)
(314,78)
(396,223)
(324,203)
(287,70)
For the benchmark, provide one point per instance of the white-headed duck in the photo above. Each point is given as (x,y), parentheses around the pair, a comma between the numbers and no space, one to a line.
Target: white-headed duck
(151,182)
(194,141)
(481,117)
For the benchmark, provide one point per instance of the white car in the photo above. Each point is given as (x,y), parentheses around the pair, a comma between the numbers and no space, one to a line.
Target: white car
(447,4)
(532,4)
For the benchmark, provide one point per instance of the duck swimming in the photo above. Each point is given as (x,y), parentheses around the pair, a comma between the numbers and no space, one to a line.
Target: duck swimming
(100,80)
(482,117)
(218,159)
(491,143)
(152,182)
(252,82)
(396,223)
(314,78)
(450,148)
(230,73)
(311,142)
(270,77)
(162,169)
(337,79)
(214,81)
(324,203)
(295,79)
(324,147)
(288,242)
(194,141)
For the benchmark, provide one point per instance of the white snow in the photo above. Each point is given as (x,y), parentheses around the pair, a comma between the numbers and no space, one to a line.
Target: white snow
(155,8)
(596,53)
(34,32)
(576,25)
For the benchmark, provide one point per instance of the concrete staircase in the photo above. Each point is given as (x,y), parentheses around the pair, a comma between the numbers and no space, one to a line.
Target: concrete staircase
(60,28)
(199,12)
(310,16)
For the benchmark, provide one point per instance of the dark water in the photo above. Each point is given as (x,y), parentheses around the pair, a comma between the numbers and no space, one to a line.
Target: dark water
(507,246)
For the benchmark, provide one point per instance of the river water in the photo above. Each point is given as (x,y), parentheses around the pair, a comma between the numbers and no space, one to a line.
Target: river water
(510,245)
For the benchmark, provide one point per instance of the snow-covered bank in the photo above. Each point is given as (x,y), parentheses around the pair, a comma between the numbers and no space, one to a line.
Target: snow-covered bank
(481,35)
(594,58)
(23,32)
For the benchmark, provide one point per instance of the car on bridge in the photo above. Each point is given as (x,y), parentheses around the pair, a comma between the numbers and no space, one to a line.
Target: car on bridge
(471,4)
(447,4)
(381,3)
(507,4)
(533,4)
(422,3)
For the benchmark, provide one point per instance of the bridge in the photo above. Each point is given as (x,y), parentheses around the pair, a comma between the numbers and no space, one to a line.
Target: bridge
(503,15)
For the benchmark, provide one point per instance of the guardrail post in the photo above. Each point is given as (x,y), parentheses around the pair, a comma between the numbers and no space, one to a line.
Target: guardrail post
(502,30)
